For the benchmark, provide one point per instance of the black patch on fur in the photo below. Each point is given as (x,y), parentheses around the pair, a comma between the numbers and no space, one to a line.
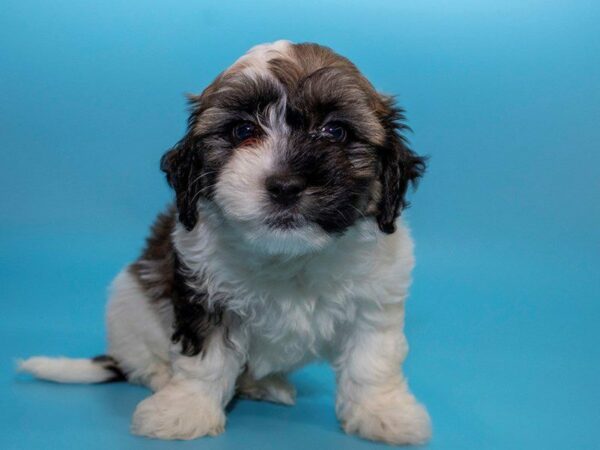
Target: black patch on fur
(109,363)
(164,278)
(194,320)
(337,190)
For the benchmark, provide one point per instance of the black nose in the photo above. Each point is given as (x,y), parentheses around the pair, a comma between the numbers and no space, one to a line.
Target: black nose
(285,189)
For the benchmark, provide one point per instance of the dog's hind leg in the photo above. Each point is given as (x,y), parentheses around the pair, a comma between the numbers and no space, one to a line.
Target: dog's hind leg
(137,334)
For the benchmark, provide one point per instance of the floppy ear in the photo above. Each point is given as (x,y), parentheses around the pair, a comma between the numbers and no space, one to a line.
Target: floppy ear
(400,167)
(182,164)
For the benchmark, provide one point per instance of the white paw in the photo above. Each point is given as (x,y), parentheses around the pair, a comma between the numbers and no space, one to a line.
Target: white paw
(396,418)
(178,412)
(272,388)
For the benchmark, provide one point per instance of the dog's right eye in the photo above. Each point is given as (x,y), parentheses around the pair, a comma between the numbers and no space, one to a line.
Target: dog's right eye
(244,131)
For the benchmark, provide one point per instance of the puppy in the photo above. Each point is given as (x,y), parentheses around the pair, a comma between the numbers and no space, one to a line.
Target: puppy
(284,246)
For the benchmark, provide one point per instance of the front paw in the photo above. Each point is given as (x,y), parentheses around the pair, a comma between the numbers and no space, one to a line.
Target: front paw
(178,412)
(396,418)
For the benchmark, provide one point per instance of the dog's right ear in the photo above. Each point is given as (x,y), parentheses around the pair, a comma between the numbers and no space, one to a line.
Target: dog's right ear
(182,165)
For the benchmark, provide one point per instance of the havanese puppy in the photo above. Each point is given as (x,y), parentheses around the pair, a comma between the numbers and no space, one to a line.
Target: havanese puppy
(283,247)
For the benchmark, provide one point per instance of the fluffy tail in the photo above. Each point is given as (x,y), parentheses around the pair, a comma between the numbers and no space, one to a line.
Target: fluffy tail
(100,369)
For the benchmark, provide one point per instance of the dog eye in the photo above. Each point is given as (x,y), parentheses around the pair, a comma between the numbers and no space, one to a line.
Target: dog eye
(243,131)
(334,131)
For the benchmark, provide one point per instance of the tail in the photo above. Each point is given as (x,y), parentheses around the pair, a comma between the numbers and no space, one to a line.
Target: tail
(100,369)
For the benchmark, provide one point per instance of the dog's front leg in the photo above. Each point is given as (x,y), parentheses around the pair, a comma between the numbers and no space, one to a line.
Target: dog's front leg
(373,399)
(192,403)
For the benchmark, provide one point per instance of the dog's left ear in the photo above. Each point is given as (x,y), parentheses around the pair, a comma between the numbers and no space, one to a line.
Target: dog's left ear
(400,166)
(182,165)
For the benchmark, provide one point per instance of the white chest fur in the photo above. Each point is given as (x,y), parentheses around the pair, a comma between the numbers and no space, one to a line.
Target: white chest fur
(295,309)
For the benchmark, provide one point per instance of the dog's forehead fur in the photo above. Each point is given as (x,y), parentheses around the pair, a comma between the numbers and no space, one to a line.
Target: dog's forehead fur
(314,83)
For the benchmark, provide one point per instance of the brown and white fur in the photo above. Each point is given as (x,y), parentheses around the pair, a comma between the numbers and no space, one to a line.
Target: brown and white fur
(284,246)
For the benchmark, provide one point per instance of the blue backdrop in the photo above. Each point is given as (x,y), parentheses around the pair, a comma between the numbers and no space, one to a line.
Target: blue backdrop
(505,98)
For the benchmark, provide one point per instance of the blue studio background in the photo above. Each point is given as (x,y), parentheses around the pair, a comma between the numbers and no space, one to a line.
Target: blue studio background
(505,98)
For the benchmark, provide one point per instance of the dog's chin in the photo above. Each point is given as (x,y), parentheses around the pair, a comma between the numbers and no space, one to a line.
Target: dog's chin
(284,235)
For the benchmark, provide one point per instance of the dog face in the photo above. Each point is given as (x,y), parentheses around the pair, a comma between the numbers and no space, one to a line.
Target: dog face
(292,145)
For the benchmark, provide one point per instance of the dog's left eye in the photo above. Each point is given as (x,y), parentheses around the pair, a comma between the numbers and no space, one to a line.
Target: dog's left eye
(334,132)
(244,131)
